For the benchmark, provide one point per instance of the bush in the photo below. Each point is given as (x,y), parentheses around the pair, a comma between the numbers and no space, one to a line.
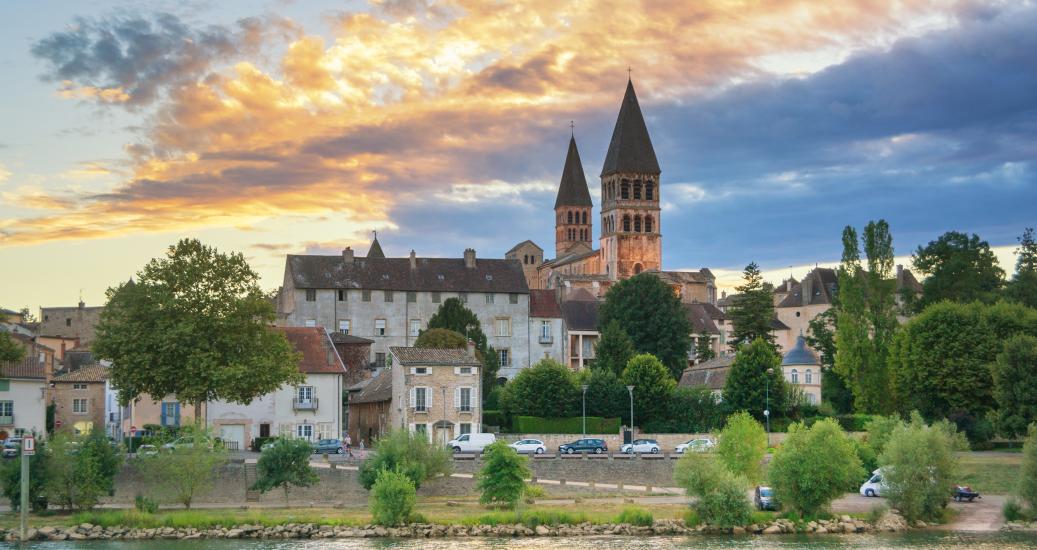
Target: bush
(1027,484)
(531,518)
(286,463)
(547,388)
(258,442)
(742,444)
(919,465)
(532,491)
(813,467)
(691,410)
(144,504)
(503,478)
(876,512)
(493,418)
(854,422)
(11,478)
(879,429)
(720,498)
(567,425)
(392,498)
(977,430)
(183,473)
(1013,511)
(869,460)
(80,471)
(413,454)
(635,516)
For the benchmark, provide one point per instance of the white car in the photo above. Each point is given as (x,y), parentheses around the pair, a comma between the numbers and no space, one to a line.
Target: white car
(700,445)
(528,446)
(641,446)
(471,443)
(874,486)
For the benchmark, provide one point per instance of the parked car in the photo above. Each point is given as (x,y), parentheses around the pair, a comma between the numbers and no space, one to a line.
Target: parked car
(641,446)
(874,486)
(964,492)
(471,443)
(12,448)
(186,442)
(529,446)
(764,498)
(596,446)
(267,446)
(329,446)
(699,445)
(146,450)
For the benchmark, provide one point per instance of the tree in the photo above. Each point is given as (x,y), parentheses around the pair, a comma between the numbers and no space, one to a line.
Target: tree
(546,389)
(182,474)
(719,495)
(442,338)
(1026,487)
(690,410)
(704,348)
(653,387)
(651,314)
(10,350)
(1015,385)
(1023,286)
(880,429)
(606,395)
(411,454)
(393,496)
(821,337)
(453,315)
(918,469)
(80,472)
(866,316)
(741,445)
(749,383)
(814,466)
(285,464)
(503,477)
(11,479)
(195,324)
(614,349)
(959,268)
(752,310)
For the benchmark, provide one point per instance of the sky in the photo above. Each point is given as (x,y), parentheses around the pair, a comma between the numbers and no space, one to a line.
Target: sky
(274,127)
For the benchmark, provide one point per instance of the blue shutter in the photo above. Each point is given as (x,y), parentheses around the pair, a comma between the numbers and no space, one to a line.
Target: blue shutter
(164,422)
(176,421)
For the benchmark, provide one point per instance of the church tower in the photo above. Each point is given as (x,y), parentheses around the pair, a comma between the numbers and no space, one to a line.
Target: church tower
(573,221)
(630,237)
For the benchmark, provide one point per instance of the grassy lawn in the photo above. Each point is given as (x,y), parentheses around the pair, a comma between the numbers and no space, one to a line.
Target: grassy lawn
(989,473)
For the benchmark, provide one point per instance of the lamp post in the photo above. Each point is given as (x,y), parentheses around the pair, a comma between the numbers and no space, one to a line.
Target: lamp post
(584,388)
(630,389)
(767,411)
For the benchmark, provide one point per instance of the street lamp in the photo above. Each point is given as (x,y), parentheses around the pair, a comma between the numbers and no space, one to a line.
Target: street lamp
(630,389)
(584,388)
(767,411)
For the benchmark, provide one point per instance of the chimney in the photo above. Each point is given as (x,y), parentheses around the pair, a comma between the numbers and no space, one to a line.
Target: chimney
(470,348)
(413,260)
(788,284)
(82,304)
(900,272)
(469,258)
(347,255)
(723,294)
(807,289)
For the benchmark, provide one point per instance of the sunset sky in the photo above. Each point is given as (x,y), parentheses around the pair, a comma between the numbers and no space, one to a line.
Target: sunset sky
(276,127)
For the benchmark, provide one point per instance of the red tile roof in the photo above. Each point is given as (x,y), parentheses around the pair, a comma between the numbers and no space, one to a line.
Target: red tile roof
(544,303)
(90,373)
(318,354)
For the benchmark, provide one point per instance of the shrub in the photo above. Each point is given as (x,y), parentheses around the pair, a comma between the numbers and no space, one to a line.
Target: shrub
(392,498)
(530,518)
(258,442)
(144,504)
(413,454)
(183,473)
(286,463)
(869,460)
(1027,483)
(11,478)
(879,429)
(493,418)
(532,491)
(566,425)
(547,388)
(743,442)
(720,498)
(918,466)
(502,480)
(876,512)
(635,516)
(79,472)
(1013,511)
(814,466)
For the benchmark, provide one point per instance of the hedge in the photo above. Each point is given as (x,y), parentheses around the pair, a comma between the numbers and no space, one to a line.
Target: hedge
(493,418)
(565,425)
(258,442)
(854,422)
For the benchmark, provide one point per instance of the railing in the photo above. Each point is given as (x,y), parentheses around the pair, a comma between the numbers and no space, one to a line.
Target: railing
(465,408)
(548,339)
(7,420)
(307,405)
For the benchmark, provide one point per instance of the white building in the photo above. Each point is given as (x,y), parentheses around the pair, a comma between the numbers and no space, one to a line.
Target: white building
(546,326)
(23,389)
(312,410)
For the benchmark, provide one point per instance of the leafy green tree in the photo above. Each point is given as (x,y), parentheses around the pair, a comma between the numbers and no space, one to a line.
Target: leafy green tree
(653,387)
(1026,487)
(752,310)
(11,479)
(691,410)
(195,324)
(606,395)
(1015,385)
(393,495)
(1023,286)
(749,383)
(182,474)
(9,349)
(959,268)
(814,466)
(501,481)
(614,349)
(546,389)
(704,348)
(285,464)
(649,312)
(80,471)
(879,430)
(866,320)
(718,495)
(454,315)
(821,337)
(741,446)
(411,454)
(442,338)
(918,469)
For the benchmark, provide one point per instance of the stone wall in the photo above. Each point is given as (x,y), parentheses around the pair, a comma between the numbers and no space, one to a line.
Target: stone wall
(667,442)
(656,471)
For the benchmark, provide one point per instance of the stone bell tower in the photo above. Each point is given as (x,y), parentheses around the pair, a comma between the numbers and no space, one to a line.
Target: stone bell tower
(573,221)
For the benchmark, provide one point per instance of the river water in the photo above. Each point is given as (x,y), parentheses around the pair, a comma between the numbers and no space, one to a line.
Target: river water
(918,540)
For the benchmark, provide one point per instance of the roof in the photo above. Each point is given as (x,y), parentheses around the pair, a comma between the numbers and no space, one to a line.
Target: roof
(379,388)
(631,148)
(800,354)
(572,255)
(581,314)
(90,373)
(524,243)
(700,276)
(318,355)
(359,385)
(433,356)
(340,338)
(5,311)
(572,189)
(702,316)
(906,279)
(29,367)
(711,374)
(544,303)
(819,287)
(376,250)
(431,274)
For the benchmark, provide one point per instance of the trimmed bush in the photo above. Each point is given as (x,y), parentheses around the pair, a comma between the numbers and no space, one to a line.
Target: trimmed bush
(635,516)
(567,425)
(392,498)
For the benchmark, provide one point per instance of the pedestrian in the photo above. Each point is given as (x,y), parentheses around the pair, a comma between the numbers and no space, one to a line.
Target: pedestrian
(349,442)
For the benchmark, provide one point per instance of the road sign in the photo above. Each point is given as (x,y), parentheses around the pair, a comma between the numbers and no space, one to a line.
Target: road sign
(133,431)
(28,445)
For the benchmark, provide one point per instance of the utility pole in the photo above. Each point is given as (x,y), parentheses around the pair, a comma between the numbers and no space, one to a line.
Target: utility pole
(584,387)
(28,448)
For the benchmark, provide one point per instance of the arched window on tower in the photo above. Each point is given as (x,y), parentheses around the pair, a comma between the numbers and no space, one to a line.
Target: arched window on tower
(637,269)
(624,190)
(570,216)
(637,224)
(649,191)
(626,223)
(795,376)
(648,224)
(584,217)
(809,377)
(637,190)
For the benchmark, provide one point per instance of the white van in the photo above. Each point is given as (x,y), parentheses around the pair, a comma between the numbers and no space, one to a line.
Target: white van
(471,443)
(874,486)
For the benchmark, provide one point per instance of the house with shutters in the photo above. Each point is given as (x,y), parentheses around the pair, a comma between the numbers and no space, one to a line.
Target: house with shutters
(23,390)
(435,391)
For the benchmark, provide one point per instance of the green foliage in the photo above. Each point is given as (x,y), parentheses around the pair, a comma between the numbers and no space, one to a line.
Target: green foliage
(412,454)
(501,481)
(52,409)
(613,350)
(749,384)
(11,479)
(942,357)
(1012,510)
(146,505)
(653,387)
(565,425)
(741,446)
(919,466)
(393,496)
(1015,385)
(493,418)
(958,268)
(752,311)
(530,518)
(10,350)
(813,467)
(649,312)
(691,410)
(186,472)
(719,495)
(606,395)
(80,471)
(1026,487)
(704,349)
(880,429)
(284,464)
(548,389)
(635,516)
(258,442)
(195,324)
(868,457)
(821,337)
(1023,286)
(442,338)
(454,316)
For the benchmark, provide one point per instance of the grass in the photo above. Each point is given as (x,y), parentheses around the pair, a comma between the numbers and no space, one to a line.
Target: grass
(207,519)
(993,474)
(635,516)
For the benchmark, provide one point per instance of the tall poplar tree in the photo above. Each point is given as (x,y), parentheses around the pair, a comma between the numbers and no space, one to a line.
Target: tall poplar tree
(1023,286)
(752,312)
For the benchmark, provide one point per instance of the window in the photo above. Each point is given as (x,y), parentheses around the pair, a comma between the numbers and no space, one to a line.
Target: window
(421,428)
(637,224)
(649,188)
(68,322)
(311,322)
(304,394)
(626,223)
(79,406)
(311,295)
(435,298)
(420,371)
(344,325)
(513,298)
(570,219)
(624,190)
(379,360)
(365,295)
(466,428)
(79,386)
(412,297)
(304,431)
(648,224)
(388,295)
(463,370)
(794,376)
(503,326)
(342,295)
(811,399)
(489,297)
(809,376)
(5,385)
(637,190)
(504,354)
(464,399)
(170,413)
(463,296)
(637,268)
(419,399)
(415,327)
(545,330)
(6,409)
(379,327)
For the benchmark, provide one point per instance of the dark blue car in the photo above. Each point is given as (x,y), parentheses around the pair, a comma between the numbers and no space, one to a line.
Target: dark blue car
(589,445)
(329,446)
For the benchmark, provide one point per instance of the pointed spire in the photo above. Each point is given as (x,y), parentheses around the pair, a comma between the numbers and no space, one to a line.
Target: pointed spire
(631,148)
(572,190)
(376,249)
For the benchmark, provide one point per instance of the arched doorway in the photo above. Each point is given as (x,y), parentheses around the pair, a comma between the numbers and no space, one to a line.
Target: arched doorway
(637,269)
(444,431)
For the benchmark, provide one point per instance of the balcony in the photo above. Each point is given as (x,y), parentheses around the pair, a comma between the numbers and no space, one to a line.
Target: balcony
(304,405)
(546,339)
(7,420)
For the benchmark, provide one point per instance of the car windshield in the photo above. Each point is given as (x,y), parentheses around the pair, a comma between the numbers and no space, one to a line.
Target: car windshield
(766,492)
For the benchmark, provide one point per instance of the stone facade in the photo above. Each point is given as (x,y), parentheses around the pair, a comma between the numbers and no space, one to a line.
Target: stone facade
(531,257)
(435,391)
(79,399)
(78,322)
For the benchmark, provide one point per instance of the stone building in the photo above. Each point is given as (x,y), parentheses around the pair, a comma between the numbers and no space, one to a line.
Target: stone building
(801,368)
(531,257)
(78,396)
(435,391)
(370,404)
(70,323)
(356,356)
(547,326)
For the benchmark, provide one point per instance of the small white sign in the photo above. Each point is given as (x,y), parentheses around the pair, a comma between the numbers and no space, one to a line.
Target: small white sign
(28,445)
